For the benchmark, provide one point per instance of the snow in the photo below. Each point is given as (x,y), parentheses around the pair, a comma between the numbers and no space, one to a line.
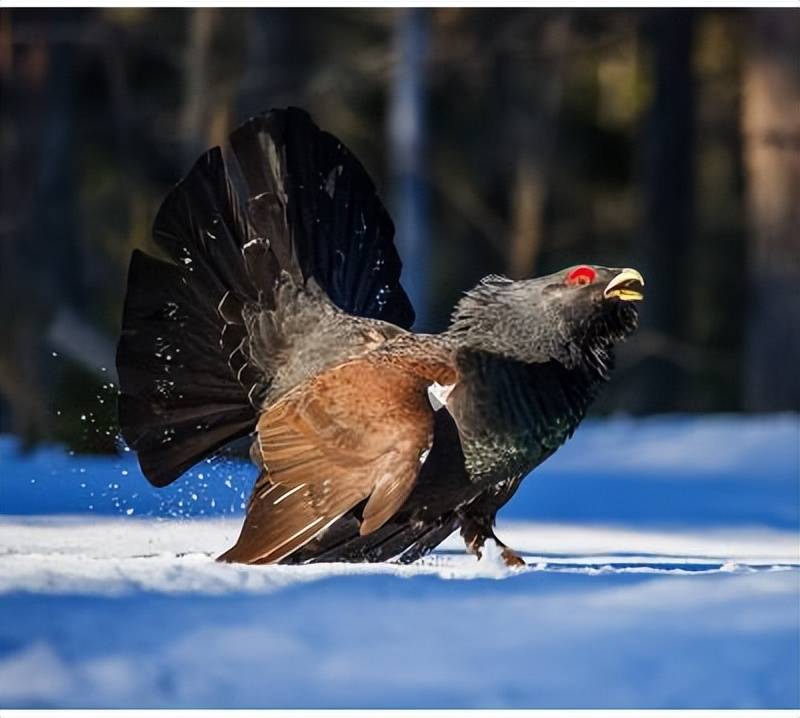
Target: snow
(65,555)
(663,572)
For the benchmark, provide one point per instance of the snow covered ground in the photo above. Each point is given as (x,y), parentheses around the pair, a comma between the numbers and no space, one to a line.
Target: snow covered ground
(664,571)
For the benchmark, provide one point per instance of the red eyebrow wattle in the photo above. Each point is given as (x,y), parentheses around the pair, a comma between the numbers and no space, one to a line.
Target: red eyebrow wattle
(585,273)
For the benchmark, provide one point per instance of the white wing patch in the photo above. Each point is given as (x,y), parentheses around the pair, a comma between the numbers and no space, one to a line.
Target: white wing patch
(438,395)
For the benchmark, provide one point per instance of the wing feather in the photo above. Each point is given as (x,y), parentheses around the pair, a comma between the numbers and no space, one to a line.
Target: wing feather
(355,432)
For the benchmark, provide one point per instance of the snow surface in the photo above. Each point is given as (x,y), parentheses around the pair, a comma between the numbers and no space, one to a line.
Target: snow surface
(664,572)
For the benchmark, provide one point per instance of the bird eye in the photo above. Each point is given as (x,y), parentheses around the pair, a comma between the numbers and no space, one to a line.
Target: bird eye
(581,275)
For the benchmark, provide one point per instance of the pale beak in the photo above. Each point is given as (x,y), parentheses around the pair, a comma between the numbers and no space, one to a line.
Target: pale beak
(627,286)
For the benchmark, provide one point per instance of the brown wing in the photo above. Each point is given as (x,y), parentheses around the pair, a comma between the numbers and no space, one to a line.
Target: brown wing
(357,431)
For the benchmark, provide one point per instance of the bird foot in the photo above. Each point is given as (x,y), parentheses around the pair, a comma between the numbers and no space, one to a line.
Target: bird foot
(512,559)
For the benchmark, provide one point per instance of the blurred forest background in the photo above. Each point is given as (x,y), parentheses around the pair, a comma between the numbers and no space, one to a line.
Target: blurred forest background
(511,141)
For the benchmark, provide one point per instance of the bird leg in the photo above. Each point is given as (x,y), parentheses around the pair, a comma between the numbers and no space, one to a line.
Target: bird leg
(476,529)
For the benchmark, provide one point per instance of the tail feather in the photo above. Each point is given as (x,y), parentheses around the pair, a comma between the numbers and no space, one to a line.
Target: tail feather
(340,233)
(200,226)
(180,400)
(195,353)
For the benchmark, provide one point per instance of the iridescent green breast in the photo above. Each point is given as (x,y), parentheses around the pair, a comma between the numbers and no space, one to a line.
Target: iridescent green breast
(512,416)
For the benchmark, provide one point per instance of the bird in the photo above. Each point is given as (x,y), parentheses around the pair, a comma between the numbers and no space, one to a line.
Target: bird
(277,315)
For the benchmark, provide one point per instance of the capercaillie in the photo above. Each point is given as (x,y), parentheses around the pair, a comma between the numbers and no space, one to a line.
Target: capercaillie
(284,319)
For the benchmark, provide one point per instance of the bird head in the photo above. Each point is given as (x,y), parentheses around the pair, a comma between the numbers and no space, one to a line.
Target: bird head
(574,316)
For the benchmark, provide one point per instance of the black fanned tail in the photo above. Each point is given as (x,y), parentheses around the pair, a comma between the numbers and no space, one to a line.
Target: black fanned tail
(340,232)
(179,398)
(188,382)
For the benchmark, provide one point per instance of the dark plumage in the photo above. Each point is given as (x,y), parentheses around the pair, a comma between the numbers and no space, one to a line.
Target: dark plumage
(286,320)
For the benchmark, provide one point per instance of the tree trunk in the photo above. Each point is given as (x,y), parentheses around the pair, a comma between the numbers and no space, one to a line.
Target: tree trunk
(771,125)
(194,113)
(534,102)
(38,245)
(407,147)
(668,189)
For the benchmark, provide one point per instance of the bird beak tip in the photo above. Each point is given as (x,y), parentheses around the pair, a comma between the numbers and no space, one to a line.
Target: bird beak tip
(626,286)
